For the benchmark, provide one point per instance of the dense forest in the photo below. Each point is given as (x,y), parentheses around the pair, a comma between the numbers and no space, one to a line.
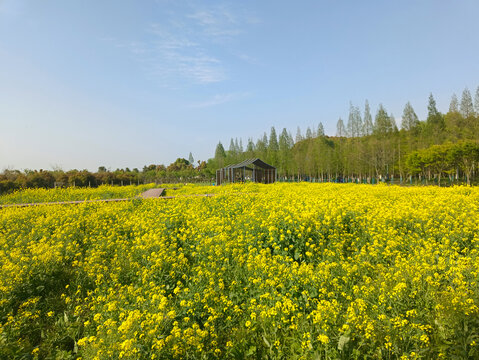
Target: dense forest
(443,149)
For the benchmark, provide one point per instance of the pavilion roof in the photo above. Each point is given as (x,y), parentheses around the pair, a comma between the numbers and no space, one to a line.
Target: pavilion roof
(246,163)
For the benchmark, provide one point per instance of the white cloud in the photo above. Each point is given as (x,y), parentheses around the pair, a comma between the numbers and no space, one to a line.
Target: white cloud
(216,23)
(187,47)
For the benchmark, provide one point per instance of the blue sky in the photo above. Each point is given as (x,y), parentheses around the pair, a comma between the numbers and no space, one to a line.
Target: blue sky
(129,83)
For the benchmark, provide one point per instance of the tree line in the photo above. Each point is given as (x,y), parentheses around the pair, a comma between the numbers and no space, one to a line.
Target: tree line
(371,149)
(181,170)
(441,149)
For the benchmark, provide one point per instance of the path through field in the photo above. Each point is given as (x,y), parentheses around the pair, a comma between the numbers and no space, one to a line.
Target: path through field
(149,194)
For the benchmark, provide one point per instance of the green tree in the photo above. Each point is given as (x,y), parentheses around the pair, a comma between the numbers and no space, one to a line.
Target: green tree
(250,148)
(392,120)
(340,128)
(415,163)
(232,148)
(454,122)
(220,155)
(179,164)
(409,118)
(476,102)
(273,147)
(285,145)
(432,112)
(355,125)
(466,154)
(454,104)
(466,108)
(299,137)
(262,147)
(436,159)
(435,124)
(350,125)
(368,120)
(382,121)
(320,129)
(309,133)
(358,122)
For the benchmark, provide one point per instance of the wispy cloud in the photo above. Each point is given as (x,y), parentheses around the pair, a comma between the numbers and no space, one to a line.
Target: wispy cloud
(173,54)
(219,99)
(247,58)
(217,23)
(188,46)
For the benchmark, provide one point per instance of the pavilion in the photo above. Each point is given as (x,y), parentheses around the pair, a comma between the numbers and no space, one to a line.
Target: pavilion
(254,170)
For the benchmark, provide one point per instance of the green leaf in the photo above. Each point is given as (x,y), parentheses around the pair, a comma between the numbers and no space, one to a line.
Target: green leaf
(266,342)
(343,340)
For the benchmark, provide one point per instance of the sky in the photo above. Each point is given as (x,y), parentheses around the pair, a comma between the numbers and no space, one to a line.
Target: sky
(124,83)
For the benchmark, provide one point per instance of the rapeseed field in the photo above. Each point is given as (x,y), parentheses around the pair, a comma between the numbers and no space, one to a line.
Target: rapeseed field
(282,271)
(40,195)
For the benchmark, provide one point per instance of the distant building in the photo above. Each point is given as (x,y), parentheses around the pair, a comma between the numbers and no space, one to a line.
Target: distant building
(254,170)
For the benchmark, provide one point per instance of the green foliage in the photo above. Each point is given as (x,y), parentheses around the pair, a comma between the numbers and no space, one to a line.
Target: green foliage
(467,107)
(368,120)
(409,118)
(341,129)
(382,122)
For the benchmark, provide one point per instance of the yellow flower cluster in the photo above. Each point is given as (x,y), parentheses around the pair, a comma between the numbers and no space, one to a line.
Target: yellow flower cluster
(256,271)
(40,195)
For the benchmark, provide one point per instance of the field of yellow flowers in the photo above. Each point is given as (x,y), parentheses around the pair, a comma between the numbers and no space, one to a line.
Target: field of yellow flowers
(282,271)
(40,195)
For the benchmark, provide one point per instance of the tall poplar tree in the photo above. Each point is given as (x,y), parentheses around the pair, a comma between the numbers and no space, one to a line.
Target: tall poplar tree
(220,154)
(284,145)
(340,128)
(382,121)
(466,108)
(392,120)
(409,117)
(358,121)
(299,137)
(232,148)
(454,104)
(273,147)
(309,133)
(351,126)
(250,148)
(432,112)
(368,120)
(354,121)
(320,129)
(262,146)
(435,122)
